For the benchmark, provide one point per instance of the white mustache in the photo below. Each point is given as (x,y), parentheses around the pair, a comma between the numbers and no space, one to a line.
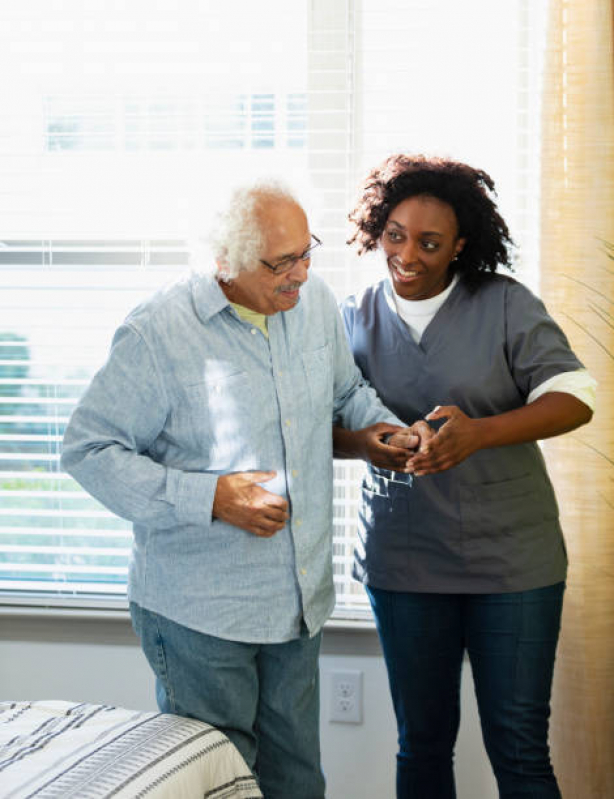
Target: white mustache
(289,287)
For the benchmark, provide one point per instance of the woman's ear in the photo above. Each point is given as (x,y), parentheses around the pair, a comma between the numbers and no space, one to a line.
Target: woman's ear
(459,247)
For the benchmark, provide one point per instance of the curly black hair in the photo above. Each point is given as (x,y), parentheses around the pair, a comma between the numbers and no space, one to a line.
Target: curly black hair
(469,191)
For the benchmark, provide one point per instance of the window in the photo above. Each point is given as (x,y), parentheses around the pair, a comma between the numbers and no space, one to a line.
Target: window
(120,124)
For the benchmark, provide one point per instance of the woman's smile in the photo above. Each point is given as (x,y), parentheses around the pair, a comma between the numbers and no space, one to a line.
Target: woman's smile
(420,241)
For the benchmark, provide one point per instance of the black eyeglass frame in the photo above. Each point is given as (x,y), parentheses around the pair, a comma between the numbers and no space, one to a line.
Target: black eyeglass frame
(289,263)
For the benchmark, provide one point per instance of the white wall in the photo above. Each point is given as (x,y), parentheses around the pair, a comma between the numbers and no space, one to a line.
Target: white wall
(95,660)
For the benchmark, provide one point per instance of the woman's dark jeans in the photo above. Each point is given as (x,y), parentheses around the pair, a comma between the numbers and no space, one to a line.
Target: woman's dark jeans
(511,641)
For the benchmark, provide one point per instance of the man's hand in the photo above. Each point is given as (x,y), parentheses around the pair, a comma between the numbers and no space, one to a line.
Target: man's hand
(373,446)
(387,446)
(240,501)
(390,447)
(414,438)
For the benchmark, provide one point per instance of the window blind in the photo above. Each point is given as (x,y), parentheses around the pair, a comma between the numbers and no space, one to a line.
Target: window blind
(120,126)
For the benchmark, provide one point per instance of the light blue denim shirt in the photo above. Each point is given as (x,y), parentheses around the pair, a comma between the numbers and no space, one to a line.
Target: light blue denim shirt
(190,391)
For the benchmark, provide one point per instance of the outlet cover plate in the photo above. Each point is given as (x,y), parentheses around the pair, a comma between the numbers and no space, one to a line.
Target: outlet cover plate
(346,696)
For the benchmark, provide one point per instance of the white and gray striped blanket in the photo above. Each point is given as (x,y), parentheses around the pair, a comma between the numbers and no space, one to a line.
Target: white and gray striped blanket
(66,750)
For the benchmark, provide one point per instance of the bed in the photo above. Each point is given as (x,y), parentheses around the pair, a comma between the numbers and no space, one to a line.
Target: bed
(74,750)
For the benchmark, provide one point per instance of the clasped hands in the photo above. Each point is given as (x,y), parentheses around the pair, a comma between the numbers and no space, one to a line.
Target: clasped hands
(418,450)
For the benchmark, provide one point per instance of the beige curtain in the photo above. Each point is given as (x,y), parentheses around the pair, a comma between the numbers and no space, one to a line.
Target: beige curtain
(577,285)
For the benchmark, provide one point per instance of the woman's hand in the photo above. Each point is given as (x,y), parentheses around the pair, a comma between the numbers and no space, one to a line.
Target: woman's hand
(552,414)
(455,440)
(395,451)
(384,445)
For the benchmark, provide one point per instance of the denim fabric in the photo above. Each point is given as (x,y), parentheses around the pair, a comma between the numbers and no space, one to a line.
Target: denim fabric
(191,391)
(264,697)
(511,641)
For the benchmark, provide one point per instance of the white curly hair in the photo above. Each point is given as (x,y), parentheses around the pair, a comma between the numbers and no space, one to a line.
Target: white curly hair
(236,238)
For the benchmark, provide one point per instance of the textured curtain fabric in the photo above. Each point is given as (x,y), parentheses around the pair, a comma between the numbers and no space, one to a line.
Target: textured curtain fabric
(577,284)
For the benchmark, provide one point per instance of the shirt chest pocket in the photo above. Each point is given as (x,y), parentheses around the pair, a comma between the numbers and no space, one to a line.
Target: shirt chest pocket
(219,409)
(318,375)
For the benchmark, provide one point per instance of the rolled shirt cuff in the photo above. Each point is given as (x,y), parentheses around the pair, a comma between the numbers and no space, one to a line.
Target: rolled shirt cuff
(578,382)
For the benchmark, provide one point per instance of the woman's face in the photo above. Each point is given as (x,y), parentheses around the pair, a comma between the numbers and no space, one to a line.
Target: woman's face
(420,239)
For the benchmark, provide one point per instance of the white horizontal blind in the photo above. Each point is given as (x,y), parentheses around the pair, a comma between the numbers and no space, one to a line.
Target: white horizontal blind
(462,80)
(61,299)
(120,125)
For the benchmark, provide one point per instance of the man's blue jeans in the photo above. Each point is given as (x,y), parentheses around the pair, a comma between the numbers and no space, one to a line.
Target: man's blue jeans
(264,697)
(511,642)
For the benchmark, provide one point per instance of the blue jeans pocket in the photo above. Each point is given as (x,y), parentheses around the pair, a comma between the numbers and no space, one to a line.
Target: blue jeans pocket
(152,643)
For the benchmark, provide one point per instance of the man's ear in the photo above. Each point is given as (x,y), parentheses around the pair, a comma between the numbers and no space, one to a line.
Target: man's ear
(221,269)
(459,246)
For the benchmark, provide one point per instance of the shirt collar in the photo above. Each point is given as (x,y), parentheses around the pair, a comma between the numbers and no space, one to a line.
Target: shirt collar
(209,299)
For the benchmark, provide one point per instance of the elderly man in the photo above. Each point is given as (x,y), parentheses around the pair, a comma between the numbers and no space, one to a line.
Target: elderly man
(209,427)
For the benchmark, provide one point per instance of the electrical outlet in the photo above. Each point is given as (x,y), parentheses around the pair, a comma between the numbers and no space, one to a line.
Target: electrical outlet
(346,696)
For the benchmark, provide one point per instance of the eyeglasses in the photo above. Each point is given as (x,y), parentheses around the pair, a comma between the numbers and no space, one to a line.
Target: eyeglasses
(286,264)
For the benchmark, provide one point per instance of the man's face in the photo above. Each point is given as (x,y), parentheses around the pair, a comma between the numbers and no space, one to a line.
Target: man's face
(287,235)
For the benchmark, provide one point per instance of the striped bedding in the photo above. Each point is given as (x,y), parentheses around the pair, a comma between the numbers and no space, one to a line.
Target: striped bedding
(82,751)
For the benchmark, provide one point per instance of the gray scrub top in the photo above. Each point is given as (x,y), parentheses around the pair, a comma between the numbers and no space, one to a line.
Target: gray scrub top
(490,524)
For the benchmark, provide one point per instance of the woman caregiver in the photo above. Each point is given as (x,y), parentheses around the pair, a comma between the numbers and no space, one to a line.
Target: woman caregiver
(470,555)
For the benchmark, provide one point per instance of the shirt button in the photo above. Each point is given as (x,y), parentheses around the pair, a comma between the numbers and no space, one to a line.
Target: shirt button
(303,571)
(280,372)
(288,422)
(298,522)
(294,472)
(254,331)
